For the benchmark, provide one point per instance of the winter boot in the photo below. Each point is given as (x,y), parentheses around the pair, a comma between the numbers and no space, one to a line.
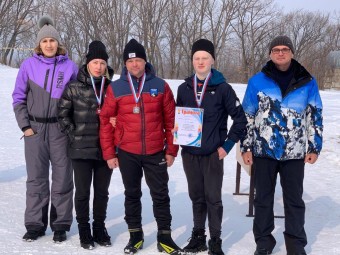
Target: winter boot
(215,246)
(197,242)
(100,234)
(32,235)
(166,244)
(86,239)
(262,251)
(136,241)
(59,236)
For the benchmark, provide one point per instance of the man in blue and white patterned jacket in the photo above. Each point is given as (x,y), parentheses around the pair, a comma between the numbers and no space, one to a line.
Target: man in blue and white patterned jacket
(284,131)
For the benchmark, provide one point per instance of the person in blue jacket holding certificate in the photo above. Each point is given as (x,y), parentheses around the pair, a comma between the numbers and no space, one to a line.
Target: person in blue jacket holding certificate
(203,166)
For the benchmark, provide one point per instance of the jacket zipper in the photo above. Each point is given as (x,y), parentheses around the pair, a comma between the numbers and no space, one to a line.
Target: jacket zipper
(50,96)
(46,78)
(296,85)
(143,126)
(142,119)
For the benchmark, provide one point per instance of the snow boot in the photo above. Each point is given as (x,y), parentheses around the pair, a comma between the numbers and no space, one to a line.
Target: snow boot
(100,234)
(86,239)
(32,235)
(135,242)
(59,236)
(166,244)
(262,251)
(215,246)
(197,242)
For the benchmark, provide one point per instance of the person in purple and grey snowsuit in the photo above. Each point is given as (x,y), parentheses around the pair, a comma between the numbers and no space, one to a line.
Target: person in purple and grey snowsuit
(39,85)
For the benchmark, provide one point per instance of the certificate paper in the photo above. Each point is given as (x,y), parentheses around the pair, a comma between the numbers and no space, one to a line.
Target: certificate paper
(188,126)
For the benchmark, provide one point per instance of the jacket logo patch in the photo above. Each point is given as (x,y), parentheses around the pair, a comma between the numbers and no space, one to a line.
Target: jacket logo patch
(153,92)
(60,80)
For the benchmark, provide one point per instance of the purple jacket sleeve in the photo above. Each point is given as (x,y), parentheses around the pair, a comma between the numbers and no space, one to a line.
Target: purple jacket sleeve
(19,96)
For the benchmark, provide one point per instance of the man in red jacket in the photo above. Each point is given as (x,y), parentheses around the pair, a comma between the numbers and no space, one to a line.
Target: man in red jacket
(141,141)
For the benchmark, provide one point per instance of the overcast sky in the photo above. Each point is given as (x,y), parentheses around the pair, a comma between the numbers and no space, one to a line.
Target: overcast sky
(310,5)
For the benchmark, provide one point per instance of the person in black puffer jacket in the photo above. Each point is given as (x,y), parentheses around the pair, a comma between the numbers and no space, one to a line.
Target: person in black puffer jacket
(78,117)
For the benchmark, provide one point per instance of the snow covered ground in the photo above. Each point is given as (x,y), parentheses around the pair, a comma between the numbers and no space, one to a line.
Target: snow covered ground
(321,194)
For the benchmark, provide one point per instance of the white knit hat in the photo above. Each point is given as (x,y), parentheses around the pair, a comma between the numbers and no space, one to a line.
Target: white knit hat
(47,29)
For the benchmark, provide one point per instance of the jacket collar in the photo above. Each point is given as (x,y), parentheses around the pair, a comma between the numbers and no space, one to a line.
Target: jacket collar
(51,61)
(149,70)
(215,79)
(84,76)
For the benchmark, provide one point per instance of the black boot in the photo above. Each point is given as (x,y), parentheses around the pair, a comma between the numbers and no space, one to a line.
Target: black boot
(215,246)
(166,244)
(262,251)
(86,239)
(100,234)
(32,235)
(135,242)
(197,242)
(59,236)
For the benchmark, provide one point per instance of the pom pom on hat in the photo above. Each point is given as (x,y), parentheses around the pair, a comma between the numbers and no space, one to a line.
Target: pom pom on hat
(281,40)
(205,45)
(47,29)
(97,50)
(134,49)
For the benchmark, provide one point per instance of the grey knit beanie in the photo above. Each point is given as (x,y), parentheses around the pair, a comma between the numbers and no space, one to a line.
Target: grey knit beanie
(281,40)
(47,29)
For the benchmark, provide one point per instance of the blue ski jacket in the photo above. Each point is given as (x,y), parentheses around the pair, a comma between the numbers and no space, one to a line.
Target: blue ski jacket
(282,126)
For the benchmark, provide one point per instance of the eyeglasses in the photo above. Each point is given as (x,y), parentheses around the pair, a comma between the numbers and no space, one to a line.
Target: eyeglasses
(277,51)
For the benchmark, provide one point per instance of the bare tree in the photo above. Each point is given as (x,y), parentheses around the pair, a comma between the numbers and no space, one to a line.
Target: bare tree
(117,20)
(254,27)
(148,27)
(81,25)
(5,7)
(239,29)
(219,17)
(310,35)
(193,29)
(305,29)
(18,22)
(172,48)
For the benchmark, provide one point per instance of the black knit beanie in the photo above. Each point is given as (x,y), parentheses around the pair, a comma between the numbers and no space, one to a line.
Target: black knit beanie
(205,45)
(281,40)
(97,50)
(134,49)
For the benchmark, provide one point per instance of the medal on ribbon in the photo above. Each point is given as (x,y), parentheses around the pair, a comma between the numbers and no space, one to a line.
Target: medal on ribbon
(199,97)
(136,109)
(99,99)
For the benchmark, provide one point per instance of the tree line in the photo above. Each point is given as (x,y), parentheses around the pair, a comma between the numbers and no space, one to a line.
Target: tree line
(239,29)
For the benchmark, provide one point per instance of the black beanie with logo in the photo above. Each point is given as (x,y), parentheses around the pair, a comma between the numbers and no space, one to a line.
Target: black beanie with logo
(134,49)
